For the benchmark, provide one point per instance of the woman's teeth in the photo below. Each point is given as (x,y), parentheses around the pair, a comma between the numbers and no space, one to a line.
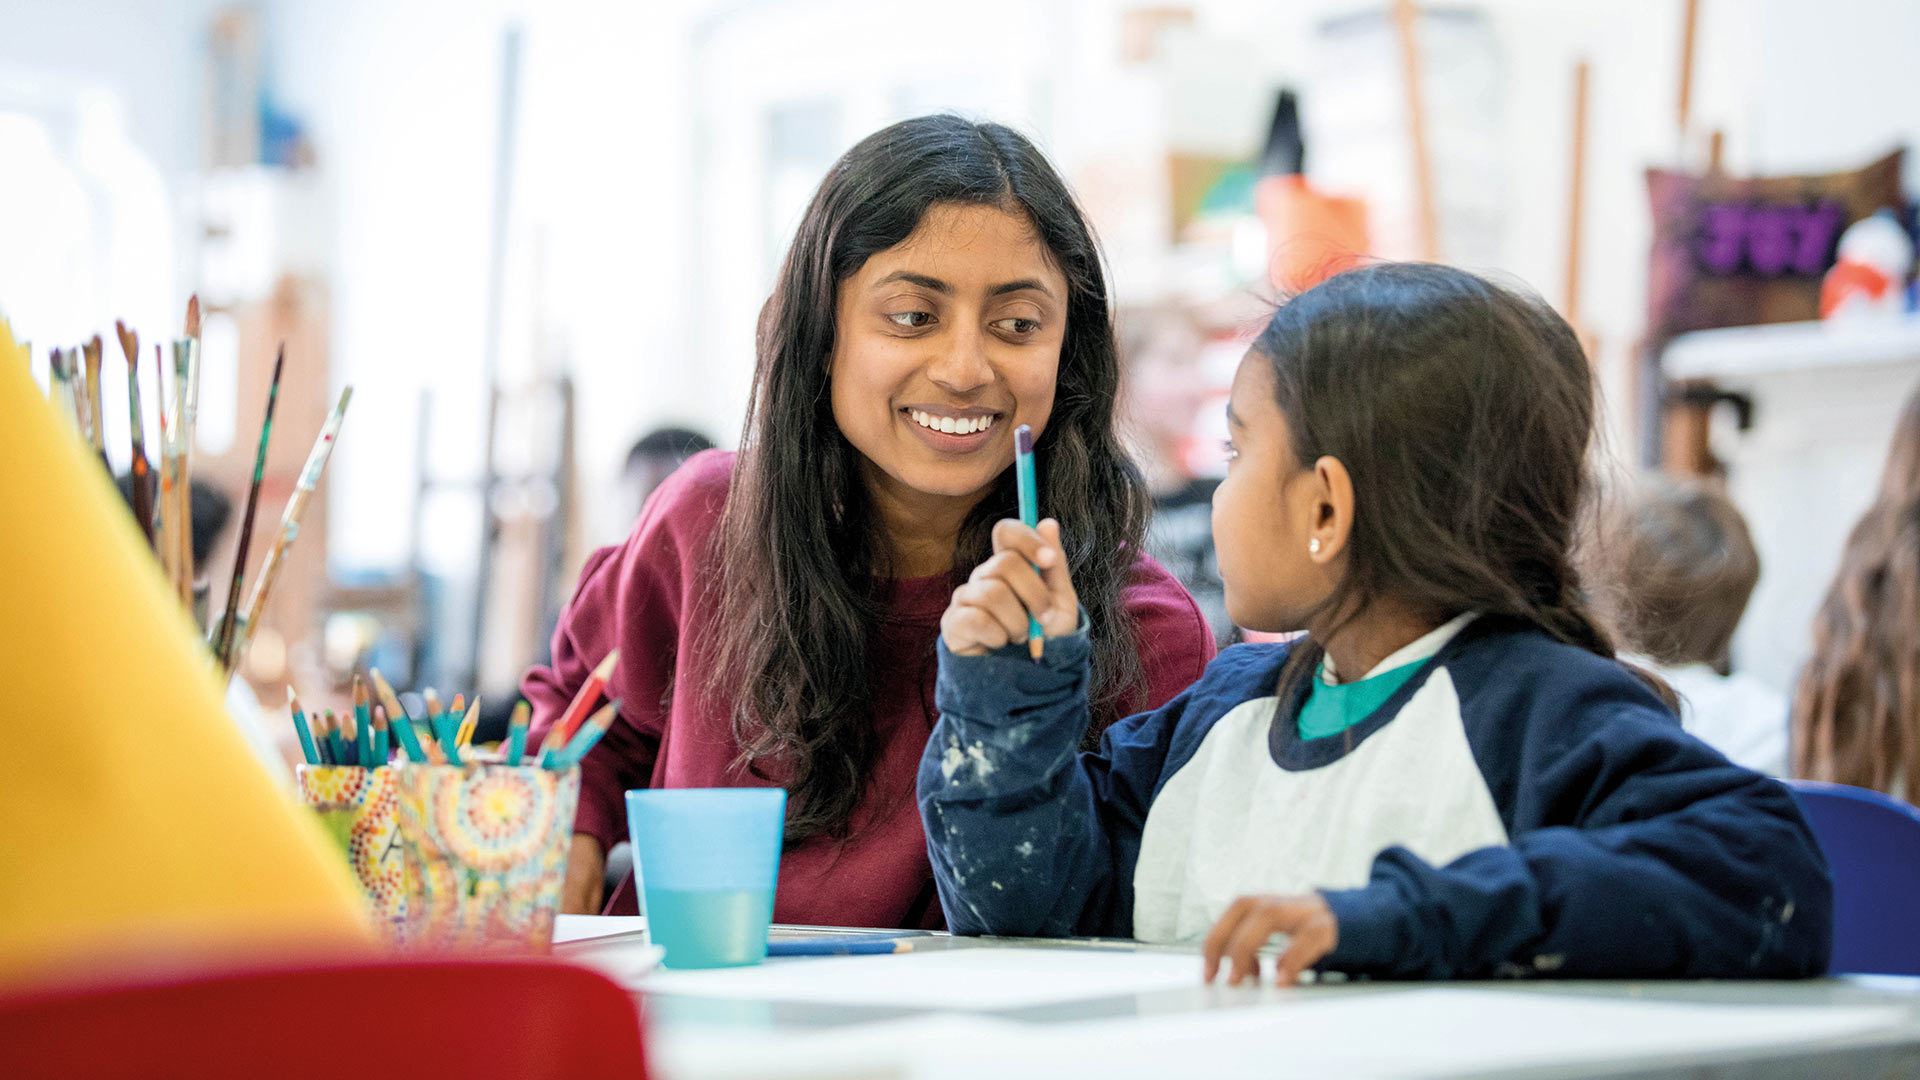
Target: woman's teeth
(949,424)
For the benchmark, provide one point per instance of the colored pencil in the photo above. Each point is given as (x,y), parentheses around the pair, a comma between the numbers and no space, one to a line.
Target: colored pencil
(583,740)
(96,429)
(223,653)
(517,733)
(582,703)
(290,524)
(840,945)
(137,434)
(463,736)
(350,739)
(437,723)
(334,744)
(60,387)
(397,716)
(1029,515)
(379,735)
(77,389)
(363,721)
(300,728)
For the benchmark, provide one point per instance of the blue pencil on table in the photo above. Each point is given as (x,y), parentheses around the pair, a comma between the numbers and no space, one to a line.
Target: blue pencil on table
(1029,493)
(840,945)
(307,749)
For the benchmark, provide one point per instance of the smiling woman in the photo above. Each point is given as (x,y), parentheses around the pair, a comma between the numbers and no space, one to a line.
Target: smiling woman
(776,611)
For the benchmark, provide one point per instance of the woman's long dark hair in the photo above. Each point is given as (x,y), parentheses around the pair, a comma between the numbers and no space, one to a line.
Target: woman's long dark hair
(1856,712)
(1464,413)
(800,548)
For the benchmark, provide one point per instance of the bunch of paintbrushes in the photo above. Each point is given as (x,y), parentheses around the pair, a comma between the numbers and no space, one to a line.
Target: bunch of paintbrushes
(167,522)
(369,734)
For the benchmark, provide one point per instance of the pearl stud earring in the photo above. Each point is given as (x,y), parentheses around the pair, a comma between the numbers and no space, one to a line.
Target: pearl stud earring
(1313,546)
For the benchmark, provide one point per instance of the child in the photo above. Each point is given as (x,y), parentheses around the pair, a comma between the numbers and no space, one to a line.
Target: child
(1680,559)
(1856,712)
(1451,777)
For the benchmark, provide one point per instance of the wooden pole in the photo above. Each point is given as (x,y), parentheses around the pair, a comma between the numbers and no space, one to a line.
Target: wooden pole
(1576,196)
(1692,22)
(1404,15)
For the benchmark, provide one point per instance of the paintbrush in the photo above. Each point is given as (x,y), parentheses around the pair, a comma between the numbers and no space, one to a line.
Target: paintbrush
(96,426)
(223,651)
(137,433)
(290,524)
(186,389)
(169,516)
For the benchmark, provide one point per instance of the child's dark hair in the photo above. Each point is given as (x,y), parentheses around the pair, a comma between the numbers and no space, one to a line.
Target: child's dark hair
(1464,412)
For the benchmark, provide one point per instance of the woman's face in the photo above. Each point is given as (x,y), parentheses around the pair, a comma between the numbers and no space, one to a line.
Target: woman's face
(944,344)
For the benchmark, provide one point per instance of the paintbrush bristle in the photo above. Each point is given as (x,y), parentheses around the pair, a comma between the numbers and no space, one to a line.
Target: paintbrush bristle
(193,315)
(1023,439)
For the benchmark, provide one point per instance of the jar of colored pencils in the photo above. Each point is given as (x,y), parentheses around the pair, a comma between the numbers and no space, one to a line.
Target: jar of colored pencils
(486,853)
(357,807)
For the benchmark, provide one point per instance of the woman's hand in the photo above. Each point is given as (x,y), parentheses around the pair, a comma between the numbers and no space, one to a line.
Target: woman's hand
(1251,921)
(990,611)
(585,889)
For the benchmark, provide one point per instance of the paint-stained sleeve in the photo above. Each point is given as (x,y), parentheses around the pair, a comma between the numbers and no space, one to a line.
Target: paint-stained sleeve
(1636,851)
(1028,836)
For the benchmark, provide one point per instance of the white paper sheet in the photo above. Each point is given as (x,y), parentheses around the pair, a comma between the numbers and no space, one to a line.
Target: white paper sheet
(582,927)
(1414,1033)
(983,978)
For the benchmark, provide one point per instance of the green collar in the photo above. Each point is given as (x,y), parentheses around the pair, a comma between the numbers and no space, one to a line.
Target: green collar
(1330,710)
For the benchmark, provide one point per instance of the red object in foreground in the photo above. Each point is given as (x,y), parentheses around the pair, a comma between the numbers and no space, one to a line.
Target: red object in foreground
(404,1018)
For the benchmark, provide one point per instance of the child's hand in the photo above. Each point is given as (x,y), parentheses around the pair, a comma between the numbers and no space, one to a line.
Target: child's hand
(990,611)
(1309,924)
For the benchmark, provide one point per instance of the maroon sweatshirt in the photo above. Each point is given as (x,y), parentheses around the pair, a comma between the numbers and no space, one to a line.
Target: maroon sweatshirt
(644,597)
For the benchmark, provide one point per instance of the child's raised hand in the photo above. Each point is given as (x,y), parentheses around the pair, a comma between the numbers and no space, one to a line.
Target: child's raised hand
(990,611)
(1251,921)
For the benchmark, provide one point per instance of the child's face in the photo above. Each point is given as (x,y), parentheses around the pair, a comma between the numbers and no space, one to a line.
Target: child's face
(1269,511)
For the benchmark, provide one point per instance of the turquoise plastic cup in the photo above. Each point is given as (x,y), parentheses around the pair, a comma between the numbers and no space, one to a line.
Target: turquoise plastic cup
(706,860)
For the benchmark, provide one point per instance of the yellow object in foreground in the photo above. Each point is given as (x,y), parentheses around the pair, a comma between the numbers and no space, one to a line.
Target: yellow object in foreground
(133,818)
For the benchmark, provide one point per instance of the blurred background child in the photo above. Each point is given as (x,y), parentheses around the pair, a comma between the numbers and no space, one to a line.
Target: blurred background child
(1681,566)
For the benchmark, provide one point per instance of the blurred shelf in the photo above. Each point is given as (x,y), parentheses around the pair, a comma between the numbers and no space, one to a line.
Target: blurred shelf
(1799,346)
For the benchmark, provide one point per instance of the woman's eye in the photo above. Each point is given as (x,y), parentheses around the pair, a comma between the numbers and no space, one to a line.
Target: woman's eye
(1018,327)
(912,320)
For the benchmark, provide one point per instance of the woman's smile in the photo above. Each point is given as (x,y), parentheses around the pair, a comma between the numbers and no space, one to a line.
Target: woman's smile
(952,430)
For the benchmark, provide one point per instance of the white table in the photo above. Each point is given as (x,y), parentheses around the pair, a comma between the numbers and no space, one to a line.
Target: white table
(755,1022)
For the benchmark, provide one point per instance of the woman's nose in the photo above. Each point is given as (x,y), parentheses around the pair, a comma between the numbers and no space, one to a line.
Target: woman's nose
(962,366)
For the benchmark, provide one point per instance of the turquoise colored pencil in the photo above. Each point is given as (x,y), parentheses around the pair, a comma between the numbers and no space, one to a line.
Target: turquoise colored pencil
(350,735)
(1029,494)
(397,717)
(363,722)
(333,739)
(307,749)
(442,731)
(379,736)
(583,740)
(517,734)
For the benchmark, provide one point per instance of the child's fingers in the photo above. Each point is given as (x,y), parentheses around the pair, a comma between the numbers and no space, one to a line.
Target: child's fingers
(1308,944)
(970,631)
(997,599)
(1021,579)
(1252,935)
(1012,535)
(1214,949)
(1063,608)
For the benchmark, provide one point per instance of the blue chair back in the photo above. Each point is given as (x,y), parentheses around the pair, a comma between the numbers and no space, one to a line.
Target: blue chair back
(1872,842)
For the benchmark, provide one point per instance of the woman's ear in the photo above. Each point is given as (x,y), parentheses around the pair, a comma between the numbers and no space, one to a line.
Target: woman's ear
(1332,520)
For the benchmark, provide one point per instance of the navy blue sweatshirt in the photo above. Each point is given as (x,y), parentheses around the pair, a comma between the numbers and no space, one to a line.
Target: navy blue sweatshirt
(1519,806)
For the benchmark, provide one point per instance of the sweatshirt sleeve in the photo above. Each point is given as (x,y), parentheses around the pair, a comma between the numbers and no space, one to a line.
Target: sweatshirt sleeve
(1026,836)
(1636,852)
